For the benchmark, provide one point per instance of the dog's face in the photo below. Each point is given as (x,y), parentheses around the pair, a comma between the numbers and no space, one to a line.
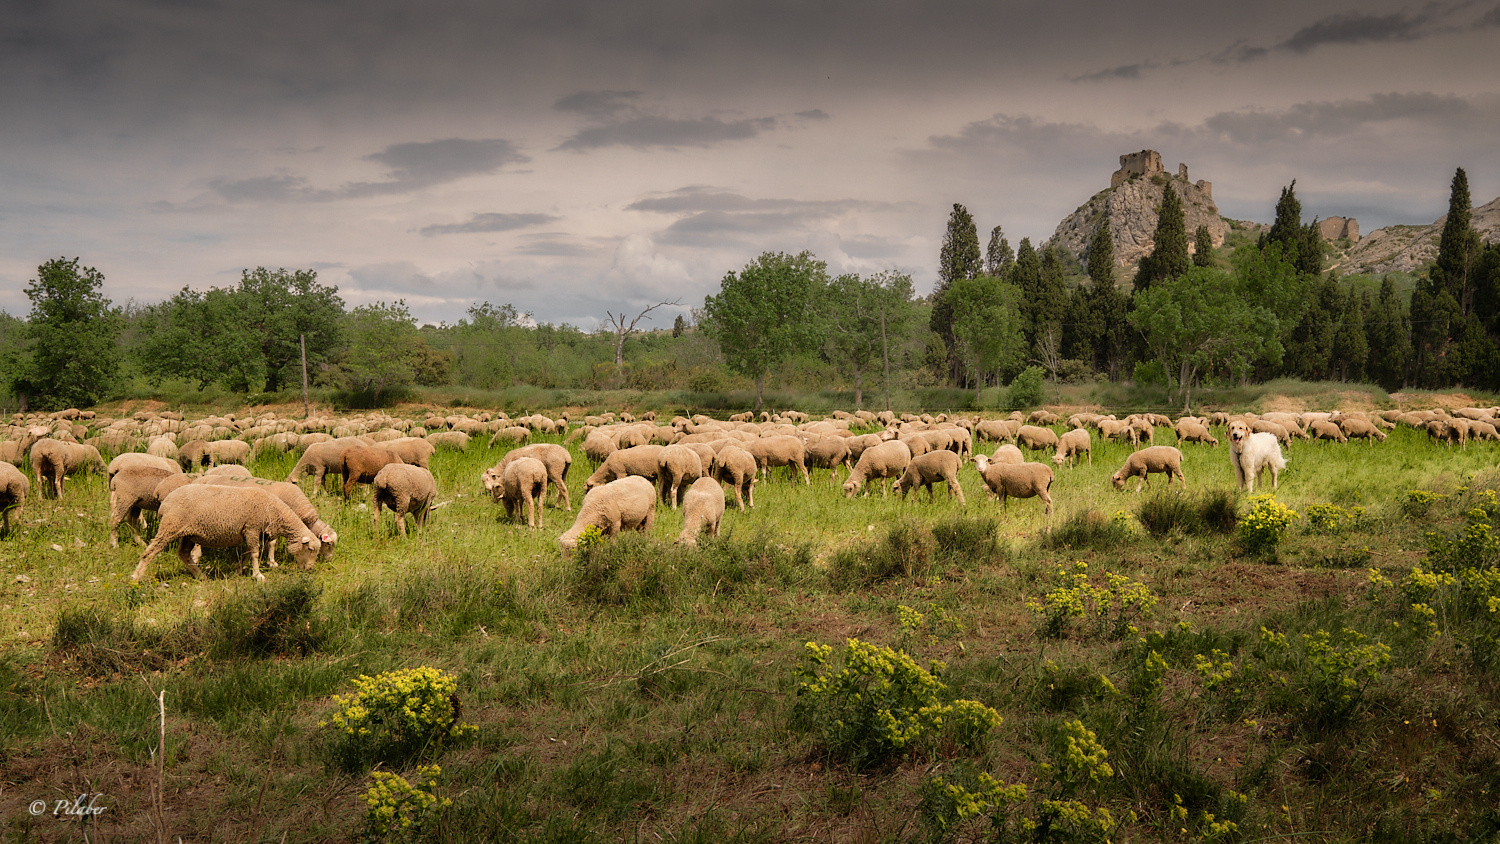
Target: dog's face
(1238,432)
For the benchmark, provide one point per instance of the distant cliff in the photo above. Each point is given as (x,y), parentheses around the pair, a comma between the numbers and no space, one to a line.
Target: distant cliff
(1408,248)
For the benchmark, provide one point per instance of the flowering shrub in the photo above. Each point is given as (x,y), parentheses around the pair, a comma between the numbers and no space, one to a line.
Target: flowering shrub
(591,537)
(1331,518)
(396,718)
(880,702)
(1263,526)
(1418,502)
(1110,610)
(397,809)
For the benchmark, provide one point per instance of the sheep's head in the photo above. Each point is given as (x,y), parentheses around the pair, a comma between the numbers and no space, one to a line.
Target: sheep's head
(850,487)
(306,550)
(1118,479)
(492,482)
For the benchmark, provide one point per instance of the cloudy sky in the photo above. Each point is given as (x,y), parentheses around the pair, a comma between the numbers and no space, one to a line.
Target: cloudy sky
(573,157)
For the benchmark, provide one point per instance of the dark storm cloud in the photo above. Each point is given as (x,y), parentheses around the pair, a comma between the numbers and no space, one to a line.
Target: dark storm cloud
(707,214)
(657,131)
(814,114)
(1356,28)
(1305,122)
(489,222)
(411,167)
(598,104)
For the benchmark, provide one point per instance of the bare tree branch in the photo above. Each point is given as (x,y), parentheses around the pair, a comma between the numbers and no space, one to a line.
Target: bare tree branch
(622,330)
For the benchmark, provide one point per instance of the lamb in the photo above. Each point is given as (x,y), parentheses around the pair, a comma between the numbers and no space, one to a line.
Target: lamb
(290,494)
(1037,439)
(404,489)
(626,503)
(1160,459)
(1022,480)
(676,465)
(1251,454)
(702,509)
(53,460)
(927,469)
(735,466)
(361,464)
(641,460)
(523,482)
(204,516)
(13,489)
(1072,444)
(887,460)
(557,460)
(780,450)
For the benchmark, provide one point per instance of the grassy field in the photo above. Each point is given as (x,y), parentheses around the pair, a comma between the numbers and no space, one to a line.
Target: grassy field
(1157,675)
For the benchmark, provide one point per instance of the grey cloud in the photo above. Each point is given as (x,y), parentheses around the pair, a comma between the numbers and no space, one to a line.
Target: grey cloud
(1127,71)
(656,131)
(412,166)
(489,222)
(1306,121)
(598,104)
(553,246)
(1489,19)
(1356,28)
(814,114)
(701,198)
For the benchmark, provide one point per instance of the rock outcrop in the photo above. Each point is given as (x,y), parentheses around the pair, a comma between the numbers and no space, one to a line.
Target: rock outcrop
(1336,228)
(1408,248)
(1132,203)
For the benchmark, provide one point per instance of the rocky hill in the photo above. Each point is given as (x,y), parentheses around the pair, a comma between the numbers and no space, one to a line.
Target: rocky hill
(1132,202)
(1408,248)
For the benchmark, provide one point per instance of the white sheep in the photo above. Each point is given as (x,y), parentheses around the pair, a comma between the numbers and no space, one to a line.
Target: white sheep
(203,516)
(1158,459)
(1072,444)
(1022,480)
(626,503)
(523,483)
(702,509)
(887,460)
(404,489)
(13,489)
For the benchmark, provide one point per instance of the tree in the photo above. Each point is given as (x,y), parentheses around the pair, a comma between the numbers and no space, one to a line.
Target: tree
(998,255)
(283,307)
(1459,247)
(763,315)
(68,355)
(385,350)
(988,326)
(1389,340)
(1302,245)
(958,259)
(1203,248)
(859,313)
(622,330)
(1100,327)
(1351,349)
(679,326)
(1169,253)
(201,338)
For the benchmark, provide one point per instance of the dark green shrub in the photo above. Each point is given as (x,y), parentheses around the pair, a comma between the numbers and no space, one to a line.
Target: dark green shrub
(278,618)
(1027,390)
(967,538)
(906,551)
(629,570)
(1089,529)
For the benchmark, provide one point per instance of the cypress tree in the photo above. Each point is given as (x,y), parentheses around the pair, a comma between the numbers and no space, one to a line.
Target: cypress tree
(998,255)
(958,259)
(1203,248)
(1169,255)
(1301,244)
(1458,247)
(1388,331)
(1101,257)
(1350,348)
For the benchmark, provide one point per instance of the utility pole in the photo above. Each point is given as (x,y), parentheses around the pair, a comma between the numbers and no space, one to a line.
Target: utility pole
(885,357)
(306,407)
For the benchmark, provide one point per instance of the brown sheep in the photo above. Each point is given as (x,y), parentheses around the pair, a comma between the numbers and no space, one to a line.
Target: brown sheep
(884,461)
(780,450)
(829,453)
(735,466)
(404,489)
(1072,444)
(599,445)
(928,469)
(1159,459)
(702,509)
(997,430)
(676,465)
(522,483)
(320,459)
(1321,429)
(360,465)
(1191,431)
(53,460)
(202,516)
(638,460)
(13,489)
(628,503)
(1021,480)
(1037,439)
(290,494)
(557,460)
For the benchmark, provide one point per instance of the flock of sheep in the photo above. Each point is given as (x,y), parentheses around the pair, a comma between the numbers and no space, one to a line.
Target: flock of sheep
(192,472)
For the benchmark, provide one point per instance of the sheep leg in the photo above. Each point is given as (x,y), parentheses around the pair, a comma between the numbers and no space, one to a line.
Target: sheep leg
(252,538)
(152,550)
(190,553)
(957,491)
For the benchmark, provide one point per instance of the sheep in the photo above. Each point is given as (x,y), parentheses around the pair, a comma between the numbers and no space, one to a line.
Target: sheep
(515,434)
(1322,429)
(676,465)
(1072,444)
(1193,431)
(829,453)
(997,430)
(735,466)
(1007,453)
(229,470)
(290,494)
(404,489)
(1251,453)
(1037,439)
(456,440)
(13,489)
(927,469)
(887,460)
(361,464)
(702,509)
(1355,428)
(200,452)
(204,516)
(1021,480)
(1265,426)
(413,451)
(780,450)
(132,489)
(1161,459)
(53,460)
(14,452)
(321,458)
(640,460)
(522,482)
(557,460)
(625,503)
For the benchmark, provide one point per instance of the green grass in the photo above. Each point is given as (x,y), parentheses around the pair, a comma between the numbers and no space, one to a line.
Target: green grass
(646,689)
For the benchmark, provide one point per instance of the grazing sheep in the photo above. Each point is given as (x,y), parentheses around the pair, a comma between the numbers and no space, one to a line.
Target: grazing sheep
(456,440)
(702,509)
(676,465)
(404,489)
(523,483)
(15,451)
(1252,453)
(1159,459)
(290,494)
(514,434)
(1322,429)
(204,516)
(320,459)
(413,451)
(829,453)
(1072,444)
(1037,439)
(557,460)
(53,460)
(780,450)
(1266,426)
(361,464)
(1008,453)
(132,489)
(1355,428)
(626,503)
(1193,431)
(229,470)
(887,460)
(735,466)
(599,445)
(639,460)
(200,452)
(997,430)
(13,489)
(1021,480)
(928,469)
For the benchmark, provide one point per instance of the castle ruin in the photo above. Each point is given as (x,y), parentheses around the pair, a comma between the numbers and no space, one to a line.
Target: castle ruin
(1147,163)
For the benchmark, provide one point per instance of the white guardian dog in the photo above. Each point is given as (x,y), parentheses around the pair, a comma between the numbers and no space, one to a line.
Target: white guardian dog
(1252,454)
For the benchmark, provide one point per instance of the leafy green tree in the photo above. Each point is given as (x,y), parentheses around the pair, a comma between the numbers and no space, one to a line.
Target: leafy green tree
(860,315)
(1351,349)
(68,357)
(1203,247)
(998,255)
(1169,252)
(1387,328)
(1201,321)
(1101,255)
(1046,312)
(763,315)
(957,259)
(280,307)
(988,324)
(385,350)
(1100,329)
(200,337)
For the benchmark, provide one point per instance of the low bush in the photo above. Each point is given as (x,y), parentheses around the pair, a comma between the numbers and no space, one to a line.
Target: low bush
(278,618)
(397,718)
